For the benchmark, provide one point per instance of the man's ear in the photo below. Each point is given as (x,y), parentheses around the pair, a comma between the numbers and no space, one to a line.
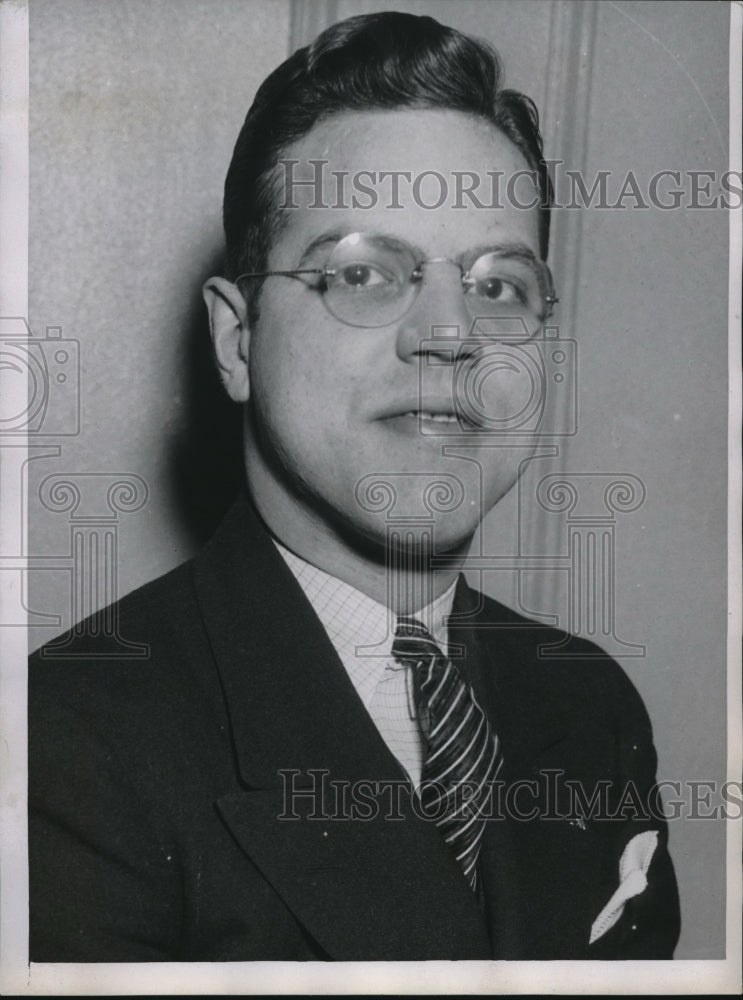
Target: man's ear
(228,322)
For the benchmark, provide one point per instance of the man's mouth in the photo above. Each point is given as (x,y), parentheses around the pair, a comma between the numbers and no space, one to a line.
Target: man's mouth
(437,414)
(444,418)
(439,418)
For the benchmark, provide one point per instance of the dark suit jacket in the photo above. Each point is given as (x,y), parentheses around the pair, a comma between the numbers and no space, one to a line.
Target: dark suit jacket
(156,792)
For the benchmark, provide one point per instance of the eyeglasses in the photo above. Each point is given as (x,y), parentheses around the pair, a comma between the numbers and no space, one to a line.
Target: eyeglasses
(370,281)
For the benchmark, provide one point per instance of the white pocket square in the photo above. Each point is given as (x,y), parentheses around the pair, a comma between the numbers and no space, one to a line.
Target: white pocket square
(633,870)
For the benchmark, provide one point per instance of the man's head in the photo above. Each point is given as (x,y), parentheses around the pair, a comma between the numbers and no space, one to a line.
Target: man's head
(337,405)
(385,61)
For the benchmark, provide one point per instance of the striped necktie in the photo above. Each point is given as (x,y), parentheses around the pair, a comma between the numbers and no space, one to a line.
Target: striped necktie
(462,753)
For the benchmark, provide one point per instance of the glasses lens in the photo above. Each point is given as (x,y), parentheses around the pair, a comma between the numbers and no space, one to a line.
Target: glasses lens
(506,296)
(369,281)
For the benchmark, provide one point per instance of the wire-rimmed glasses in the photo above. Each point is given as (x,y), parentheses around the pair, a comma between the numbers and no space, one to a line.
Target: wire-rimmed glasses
(370,281)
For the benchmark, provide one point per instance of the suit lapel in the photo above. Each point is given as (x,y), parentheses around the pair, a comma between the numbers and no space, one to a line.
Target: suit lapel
(377,889)
(536,872)
(373,887)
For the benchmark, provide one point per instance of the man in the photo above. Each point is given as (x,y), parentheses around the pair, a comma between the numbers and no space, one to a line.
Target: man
(310,764)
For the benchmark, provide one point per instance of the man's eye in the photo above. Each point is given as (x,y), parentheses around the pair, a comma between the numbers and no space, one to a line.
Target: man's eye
(497,289)
(361,276)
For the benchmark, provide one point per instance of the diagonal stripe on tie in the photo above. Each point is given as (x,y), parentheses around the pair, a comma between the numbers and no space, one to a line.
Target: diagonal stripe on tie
(462,756)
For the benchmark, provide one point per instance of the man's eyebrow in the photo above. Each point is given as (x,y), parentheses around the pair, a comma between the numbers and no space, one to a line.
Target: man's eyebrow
(520,251)
(324,239)
(333,236)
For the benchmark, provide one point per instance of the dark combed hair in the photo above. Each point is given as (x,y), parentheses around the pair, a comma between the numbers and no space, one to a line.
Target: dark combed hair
(368,62)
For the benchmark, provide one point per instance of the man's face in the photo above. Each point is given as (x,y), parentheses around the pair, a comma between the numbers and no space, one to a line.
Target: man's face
(332,405)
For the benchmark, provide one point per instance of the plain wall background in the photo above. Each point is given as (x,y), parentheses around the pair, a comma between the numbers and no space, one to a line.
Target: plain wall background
(135,107)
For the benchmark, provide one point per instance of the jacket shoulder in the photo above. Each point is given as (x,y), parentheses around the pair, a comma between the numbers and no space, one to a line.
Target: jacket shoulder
(145,657)
(161,607)
(542,664)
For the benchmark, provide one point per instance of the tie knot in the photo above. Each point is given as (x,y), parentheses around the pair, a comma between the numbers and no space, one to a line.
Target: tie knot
(413,640)
(411,627)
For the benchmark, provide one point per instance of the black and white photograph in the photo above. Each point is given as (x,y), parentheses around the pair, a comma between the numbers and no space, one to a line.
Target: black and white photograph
(371,484)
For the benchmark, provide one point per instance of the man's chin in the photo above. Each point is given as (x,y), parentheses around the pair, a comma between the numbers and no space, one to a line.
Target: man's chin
(409,538)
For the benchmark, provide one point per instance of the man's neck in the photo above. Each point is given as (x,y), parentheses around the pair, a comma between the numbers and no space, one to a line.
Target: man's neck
(401,578)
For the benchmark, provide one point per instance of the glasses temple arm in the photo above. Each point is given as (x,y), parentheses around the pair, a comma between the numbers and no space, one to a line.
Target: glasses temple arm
(287,274)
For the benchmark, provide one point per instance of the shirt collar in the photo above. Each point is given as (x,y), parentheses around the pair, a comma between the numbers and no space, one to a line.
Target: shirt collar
(352,619)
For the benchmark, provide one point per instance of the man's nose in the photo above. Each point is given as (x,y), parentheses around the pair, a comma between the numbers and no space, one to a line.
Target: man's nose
(438,322)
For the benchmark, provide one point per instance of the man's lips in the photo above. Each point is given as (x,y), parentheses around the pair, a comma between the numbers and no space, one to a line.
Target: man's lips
(442,418)
(426,410)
